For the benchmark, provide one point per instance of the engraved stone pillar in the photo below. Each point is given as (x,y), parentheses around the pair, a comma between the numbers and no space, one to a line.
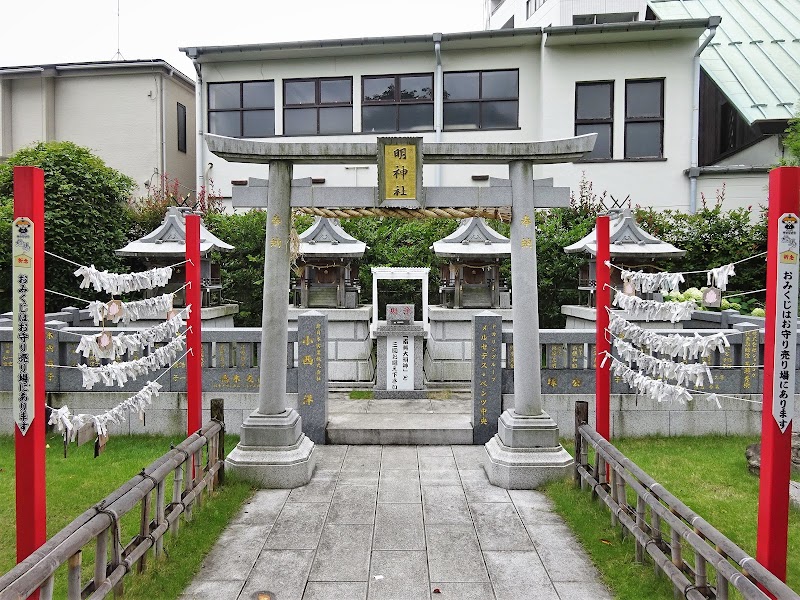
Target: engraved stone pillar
(487,396)
(526,452)
(273,450)
(312,374)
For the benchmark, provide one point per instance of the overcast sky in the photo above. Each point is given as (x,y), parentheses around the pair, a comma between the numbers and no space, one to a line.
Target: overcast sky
(51,31)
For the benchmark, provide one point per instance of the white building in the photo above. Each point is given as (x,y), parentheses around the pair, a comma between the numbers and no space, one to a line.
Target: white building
(138,116)
(544,69)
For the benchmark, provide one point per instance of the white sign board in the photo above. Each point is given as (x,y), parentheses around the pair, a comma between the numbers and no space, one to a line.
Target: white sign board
(22,354)
(785,320)
(400,362)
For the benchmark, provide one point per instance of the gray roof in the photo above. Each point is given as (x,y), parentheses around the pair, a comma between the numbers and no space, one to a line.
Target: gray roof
(169,238)
(628,240)
(473,238)
(326,238)
(754,57)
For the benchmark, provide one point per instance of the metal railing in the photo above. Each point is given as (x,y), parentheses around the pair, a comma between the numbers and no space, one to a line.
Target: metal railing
(610,477)
(101,523)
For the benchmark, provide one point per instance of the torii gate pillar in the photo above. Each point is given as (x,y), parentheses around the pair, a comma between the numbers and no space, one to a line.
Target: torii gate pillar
(526,452)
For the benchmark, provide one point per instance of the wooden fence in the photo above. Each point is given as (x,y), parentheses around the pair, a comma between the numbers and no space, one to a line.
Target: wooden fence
(101,522)
(609,479)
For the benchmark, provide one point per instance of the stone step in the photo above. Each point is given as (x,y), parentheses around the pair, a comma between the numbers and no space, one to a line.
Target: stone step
(395,428)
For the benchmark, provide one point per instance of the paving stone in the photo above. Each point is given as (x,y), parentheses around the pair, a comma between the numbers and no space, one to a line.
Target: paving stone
(499,527)
(343,553)
(320,490)
(399,406)
(434,451)
(282,572)
(464,591)
(367,461)
(519,575)
(534,507)
(561,555)
(439,477)
(235,552)
(445,505)
(209,588)
(327,590)
(395,575)
(435,463)
(353,504)
(399,486)
(298,526)
(583,590)
(469,457)
(451,406)
(480,490)
(347,406)
(263,508)
(399,457)
(359,476)
(454,554)
(399,527)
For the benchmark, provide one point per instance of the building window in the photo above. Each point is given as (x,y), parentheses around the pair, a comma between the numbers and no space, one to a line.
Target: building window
(481,100)
(644,118)
(594,113)
(530,8)
(181,128)
(318,106)
(397,103)
(242,109)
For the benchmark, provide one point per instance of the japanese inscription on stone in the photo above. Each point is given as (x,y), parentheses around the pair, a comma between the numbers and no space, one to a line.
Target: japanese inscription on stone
(400,363)
(785,321)
(22,274)
(486,378)
(312,377)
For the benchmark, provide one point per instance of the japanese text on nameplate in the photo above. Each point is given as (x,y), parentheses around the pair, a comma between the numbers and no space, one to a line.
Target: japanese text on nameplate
(785,321)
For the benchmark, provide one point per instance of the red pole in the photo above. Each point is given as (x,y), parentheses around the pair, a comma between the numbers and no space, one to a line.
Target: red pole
(779,352)
(602,343)
(194,376)
(29,342)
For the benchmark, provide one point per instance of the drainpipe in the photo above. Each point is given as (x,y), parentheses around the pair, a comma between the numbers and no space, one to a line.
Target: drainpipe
(694,172)
(438,99)
(199,151)
(163,124)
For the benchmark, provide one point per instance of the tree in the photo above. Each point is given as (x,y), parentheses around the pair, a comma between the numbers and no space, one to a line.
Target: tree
(86,214)
(791,142)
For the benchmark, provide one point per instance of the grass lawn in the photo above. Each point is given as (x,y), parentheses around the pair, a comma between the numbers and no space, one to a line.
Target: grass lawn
(709,474)
(77,482)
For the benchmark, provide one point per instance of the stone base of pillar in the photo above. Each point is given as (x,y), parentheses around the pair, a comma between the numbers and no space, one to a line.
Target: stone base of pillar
(525,453)
(273,452)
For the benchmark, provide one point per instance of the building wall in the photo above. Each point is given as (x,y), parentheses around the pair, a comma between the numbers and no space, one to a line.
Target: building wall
(659,183)
(117,116)
(27,112)
(179,165)
(524,58)
(741,190)
(560,12)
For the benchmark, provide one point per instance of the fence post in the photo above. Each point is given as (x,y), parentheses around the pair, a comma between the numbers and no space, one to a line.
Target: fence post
(581,417)
(74,576)
(100,558)
(218,414)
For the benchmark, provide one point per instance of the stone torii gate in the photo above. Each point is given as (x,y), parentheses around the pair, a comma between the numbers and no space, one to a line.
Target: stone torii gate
(526,452)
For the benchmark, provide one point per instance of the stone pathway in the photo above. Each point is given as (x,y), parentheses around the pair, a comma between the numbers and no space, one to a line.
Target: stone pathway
(398,522)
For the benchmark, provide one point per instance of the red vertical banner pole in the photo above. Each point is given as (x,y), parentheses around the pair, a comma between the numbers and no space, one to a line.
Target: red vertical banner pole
(602,343)
(194,374)
(28,358)
(780,338)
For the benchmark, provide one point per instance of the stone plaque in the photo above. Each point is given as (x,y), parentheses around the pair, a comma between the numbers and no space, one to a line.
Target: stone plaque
(487,396)
(400,362)
(400,314)
(312,374)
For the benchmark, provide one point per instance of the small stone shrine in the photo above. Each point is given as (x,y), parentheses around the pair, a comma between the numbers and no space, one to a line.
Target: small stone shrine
(327,267)
(632,248)
(471,278)
(165,246)
(400,355)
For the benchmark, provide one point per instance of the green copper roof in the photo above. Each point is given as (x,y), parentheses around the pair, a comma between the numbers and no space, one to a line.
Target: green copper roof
(754,57)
